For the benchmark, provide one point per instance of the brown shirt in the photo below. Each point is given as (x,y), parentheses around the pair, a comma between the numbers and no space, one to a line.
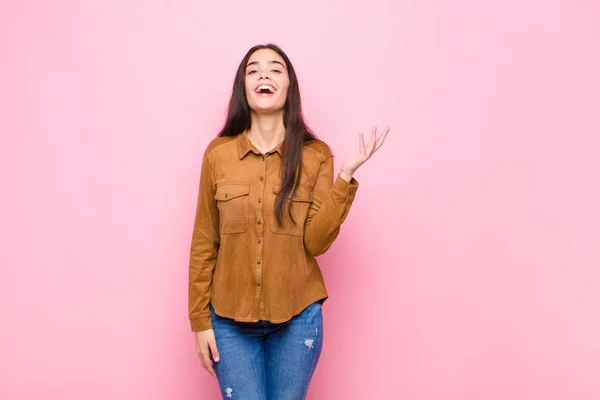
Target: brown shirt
(242,261)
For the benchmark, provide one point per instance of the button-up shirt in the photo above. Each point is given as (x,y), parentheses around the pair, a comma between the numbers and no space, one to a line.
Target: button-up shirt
(243,262)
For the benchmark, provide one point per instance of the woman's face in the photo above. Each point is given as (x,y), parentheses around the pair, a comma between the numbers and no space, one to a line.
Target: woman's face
(267,81)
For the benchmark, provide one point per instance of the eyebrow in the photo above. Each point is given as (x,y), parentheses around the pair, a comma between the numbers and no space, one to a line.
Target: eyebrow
(270,62)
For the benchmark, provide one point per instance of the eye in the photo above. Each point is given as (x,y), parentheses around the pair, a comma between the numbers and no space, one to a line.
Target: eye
(252,71)
(276,71)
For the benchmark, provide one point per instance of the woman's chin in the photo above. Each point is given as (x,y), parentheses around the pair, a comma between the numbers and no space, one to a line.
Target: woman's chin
(266,110)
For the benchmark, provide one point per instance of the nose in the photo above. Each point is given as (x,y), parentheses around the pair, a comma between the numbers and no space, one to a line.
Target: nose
(263,75)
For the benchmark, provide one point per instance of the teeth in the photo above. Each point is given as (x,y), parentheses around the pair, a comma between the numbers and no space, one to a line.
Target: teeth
(269,88)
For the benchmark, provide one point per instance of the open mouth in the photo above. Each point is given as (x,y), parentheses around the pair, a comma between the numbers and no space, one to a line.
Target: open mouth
(265,89)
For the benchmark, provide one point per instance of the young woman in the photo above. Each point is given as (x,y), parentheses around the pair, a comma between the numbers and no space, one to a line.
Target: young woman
(267,206)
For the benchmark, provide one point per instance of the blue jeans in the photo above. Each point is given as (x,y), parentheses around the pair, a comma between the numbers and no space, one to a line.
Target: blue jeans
(265,361)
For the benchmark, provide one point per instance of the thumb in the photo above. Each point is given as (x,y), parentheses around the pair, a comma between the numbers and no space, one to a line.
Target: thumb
(213,349)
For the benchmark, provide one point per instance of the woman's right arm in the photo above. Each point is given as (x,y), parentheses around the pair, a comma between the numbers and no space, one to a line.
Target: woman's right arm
(203,258)
(204,248)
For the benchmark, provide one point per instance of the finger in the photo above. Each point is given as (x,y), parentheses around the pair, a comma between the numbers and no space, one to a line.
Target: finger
(382,137)
(362,145)
(211,371)
(202,358)
(371,145)
(213,350)
(206,363)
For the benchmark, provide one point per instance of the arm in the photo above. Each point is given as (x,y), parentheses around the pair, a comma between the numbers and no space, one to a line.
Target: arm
(203,252)
(332,201)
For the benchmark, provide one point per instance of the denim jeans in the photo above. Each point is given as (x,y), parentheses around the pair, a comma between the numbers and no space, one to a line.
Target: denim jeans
(266,361)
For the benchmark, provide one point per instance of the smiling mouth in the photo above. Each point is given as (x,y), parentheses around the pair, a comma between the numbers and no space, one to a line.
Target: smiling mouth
(265,89)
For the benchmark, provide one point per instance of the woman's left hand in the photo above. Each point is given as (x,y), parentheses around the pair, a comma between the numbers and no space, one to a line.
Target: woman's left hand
(352,162)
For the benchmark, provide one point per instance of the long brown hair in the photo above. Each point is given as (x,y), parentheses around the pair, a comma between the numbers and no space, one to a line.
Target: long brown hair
(296,130)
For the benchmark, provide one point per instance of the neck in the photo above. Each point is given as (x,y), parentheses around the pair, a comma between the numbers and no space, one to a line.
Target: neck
(266,130)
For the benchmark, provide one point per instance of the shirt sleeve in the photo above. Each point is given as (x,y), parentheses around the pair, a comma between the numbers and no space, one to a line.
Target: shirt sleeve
(204,250)
(331,204)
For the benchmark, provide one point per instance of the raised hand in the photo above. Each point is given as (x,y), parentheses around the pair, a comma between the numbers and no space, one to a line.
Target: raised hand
(365,151)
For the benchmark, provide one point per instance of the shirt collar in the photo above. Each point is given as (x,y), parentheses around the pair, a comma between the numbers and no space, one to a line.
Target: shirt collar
(245,146)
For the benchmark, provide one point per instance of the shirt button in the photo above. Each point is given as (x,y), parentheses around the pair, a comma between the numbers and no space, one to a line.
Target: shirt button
(259,241)
(258,222)
(257,283)
(262,178)
(260,200)
(225,195)
(258,262)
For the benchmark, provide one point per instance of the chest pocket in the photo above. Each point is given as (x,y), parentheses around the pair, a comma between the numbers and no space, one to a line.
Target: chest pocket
(232,201)
(300,206)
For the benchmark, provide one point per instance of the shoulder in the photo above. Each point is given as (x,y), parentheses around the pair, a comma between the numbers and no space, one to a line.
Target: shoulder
(318,148)
(219,142)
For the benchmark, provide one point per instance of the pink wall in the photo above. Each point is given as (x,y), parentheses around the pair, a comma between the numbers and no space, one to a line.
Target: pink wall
(468,268)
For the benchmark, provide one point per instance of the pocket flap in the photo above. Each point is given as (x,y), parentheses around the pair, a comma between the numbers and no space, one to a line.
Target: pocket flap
(303,193)
(230,191)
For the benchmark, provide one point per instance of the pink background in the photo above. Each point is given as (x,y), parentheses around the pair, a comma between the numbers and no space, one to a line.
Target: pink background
(469,265)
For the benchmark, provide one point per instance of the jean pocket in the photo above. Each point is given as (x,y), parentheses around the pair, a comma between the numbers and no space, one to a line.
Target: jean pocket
(312,312)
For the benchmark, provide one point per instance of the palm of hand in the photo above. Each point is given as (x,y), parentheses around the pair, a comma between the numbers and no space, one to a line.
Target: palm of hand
(365,151)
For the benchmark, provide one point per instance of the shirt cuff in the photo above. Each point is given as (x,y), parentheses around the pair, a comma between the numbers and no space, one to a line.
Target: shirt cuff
(201,323)
(345,189)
